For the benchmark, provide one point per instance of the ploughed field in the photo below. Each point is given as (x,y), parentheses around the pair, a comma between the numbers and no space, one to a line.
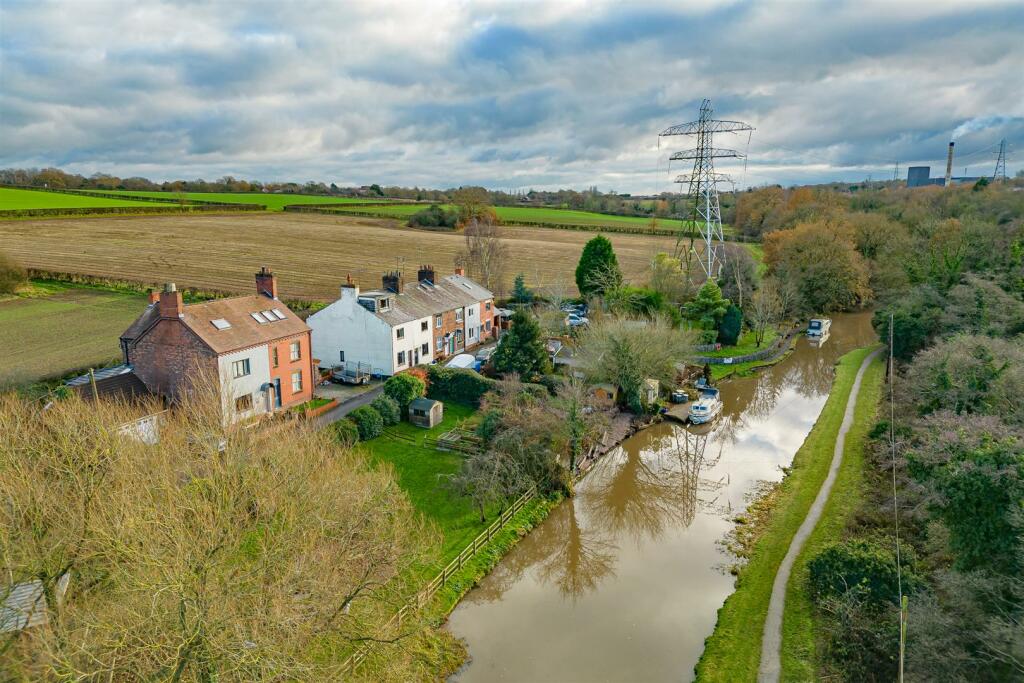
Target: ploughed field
(311,253)
(11,198)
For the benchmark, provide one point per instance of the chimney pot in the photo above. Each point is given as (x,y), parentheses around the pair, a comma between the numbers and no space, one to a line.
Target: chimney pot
(393,281)
(154,297)
(460,271)
(266,283)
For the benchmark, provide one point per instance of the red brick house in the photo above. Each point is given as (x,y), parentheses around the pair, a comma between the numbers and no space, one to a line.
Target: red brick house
(256,347)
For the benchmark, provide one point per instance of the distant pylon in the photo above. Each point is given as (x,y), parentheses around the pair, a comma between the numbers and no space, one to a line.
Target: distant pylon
(705,214)
(1000,172)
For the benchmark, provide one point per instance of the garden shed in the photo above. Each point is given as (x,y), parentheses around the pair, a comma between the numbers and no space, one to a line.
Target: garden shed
(426,412)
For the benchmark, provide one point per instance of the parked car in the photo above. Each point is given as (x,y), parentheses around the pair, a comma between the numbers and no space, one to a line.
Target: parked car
(575,320)
(484,354)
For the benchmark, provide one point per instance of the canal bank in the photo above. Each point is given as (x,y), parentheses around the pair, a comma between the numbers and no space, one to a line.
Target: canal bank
(623,581)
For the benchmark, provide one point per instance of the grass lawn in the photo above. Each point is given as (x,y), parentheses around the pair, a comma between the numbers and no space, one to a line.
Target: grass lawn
(33,199)
(744,345)
(420,470)
(56,329)
(273,202)
(733,651)
(799,659)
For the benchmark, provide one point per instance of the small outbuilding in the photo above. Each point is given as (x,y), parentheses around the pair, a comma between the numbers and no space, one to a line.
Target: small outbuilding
(651,389)
(426,412)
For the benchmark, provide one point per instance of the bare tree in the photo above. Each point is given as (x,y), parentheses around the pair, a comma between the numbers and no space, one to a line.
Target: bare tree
(217,553)
(626,351)
(485,255)
(765,309)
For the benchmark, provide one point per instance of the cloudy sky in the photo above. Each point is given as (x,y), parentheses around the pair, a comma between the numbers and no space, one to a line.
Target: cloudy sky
(505,94)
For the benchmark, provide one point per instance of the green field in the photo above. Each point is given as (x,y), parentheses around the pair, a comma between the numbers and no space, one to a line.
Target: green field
(528,214)
(36,199)
(420,471)
(733,651)
(59,329)
(273,202)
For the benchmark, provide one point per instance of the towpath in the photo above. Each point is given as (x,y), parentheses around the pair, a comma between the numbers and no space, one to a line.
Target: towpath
(771,640)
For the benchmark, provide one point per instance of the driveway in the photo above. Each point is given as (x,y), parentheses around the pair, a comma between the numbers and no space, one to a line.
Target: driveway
(348,406)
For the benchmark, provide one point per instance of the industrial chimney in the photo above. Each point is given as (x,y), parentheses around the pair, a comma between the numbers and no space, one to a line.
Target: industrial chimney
(949,166)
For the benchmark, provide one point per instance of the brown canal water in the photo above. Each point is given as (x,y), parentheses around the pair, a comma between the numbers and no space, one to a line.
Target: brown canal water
(623,582)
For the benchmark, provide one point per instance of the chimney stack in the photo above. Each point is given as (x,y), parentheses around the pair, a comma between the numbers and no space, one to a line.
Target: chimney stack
(170,302)
(393,281)
(266,283)
(949,166)
(349,287)
(460,271)
(154,297)
(425,274)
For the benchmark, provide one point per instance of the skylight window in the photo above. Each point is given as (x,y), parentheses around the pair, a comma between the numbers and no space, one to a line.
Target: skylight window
(221,324)
(278,313)
(258,318)
(269,315)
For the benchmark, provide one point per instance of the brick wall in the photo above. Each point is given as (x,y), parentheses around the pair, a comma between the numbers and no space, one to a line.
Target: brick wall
(286,366)
(168,356)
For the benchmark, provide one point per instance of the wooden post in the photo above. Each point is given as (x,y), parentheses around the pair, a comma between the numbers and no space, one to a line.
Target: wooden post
(92,381)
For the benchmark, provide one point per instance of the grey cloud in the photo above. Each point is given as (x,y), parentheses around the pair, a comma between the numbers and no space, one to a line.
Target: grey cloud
(463,93)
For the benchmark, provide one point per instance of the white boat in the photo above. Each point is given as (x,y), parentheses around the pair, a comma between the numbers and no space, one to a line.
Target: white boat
(707,406)
(819,327)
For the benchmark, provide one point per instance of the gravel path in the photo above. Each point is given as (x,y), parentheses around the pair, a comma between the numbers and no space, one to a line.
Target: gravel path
(771,641)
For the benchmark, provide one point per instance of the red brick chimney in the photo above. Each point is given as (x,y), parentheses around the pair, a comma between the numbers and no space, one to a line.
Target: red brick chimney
(460,271)
(154,297)
(170,302)
(266,283)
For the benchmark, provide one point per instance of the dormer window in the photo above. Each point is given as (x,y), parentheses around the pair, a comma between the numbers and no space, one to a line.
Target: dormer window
(384,304)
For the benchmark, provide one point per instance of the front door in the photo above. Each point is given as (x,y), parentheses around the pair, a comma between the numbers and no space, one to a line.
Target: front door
(277,393)
(416,356)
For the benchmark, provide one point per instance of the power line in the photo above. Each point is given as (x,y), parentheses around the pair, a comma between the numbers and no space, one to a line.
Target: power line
(895,505)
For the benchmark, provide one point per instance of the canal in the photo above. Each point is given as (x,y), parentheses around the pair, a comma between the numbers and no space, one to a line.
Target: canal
(623,582)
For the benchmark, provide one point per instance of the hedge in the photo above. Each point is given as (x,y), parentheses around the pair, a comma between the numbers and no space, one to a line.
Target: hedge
(466,386)
(457,384)
(169,199)
(368,421)
(124,210)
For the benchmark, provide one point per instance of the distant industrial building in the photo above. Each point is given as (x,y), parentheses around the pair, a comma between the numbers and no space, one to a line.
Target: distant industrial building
(920,176)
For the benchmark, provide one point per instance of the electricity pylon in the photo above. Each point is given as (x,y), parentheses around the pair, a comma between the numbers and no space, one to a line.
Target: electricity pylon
(705,214)
(1000,172)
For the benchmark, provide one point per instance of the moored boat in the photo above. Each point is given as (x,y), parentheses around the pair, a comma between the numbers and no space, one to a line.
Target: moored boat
(819,327)
(707,406)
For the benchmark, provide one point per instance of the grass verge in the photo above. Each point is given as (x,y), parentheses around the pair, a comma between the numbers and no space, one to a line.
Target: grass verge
(799,654)
(733,651)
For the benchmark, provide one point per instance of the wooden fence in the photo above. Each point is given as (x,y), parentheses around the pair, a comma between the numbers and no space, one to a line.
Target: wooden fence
(421,599)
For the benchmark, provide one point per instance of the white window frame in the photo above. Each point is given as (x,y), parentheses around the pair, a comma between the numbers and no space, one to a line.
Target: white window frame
(297,379)
(400,359)
(295,351)
(399,333)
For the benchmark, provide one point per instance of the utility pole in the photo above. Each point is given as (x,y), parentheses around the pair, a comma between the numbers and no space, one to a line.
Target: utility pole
(1000,172)
(896,171)
(705,214)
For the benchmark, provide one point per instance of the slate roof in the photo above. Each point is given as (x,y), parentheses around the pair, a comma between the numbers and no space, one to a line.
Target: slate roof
(118,382)
(424,299)
(244,331)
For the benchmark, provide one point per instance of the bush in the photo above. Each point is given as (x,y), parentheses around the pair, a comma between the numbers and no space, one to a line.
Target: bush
(489,425)
(12,275)
(729,329)
(346,432)
(434,217)
(859,564)
(368,421)
(388,409)
(403,388)
(552,383)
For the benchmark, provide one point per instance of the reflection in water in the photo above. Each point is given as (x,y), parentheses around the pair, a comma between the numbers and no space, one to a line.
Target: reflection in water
(621,583)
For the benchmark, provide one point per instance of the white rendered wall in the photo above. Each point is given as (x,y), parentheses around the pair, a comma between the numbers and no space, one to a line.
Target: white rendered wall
(253,383)
(347,326)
